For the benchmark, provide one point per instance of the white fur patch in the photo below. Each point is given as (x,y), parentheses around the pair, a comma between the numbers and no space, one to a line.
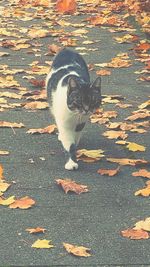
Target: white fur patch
(71,165)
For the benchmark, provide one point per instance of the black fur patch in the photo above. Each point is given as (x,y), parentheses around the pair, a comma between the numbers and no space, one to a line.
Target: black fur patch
(72,152)
(80,127)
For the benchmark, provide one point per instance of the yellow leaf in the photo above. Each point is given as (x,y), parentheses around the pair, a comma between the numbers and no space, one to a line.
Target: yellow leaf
(89,155)
(8,201)
(144,225)
(4,186)
(135,147)
(3,152)
(42,243)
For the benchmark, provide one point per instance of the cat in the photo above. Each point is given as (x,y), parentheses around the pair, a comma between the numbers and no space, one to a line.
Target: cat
(72,98)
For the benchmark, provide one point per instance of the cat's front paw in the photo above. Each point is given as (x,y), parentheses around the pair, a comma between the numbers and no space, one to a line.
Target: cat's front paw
(71,165)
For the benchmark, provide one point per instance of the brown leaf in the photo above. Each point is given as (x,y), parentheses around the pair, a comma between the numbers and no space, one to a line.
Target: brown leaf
(77,250)
(49,129)
(142,173)
(38,33)
(36,230)
(69,185)
(54,49)
(135,234)
(108,172)
(37,83)
(22,203)
(138,116)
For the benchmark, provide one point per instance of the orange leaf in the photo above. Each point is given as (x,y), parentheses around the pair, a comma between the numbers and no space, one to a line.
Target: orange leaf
(145,192)
(66,6)
(142,173)
(36,105)
(135,234)
(108,172)
(69,185)
(125,161)
(37,83)
(22,203)
(1,172)
(36,230)
(77,250)
(103,72)
(53,49)
(49,129)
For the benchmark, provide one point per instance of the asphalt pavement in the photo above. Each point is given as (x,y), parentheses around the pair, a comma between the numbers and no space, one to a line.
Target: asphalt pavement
(92,219)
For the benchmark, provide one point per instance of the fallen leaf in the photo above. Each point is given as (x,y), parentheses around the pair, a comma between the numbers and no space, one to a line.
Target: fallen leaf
(69,185)
(66,6)
(138,116)
(38,33)
(4,186)
(37,83)
(135,147)
(144,105)
(49,129)
(42,243)
(1,172)
(89,155)
(36,105)
(145,192)
(77,250)
(8,81)
(11,124)
(135,234)
(22,203)
(115,134)
(143,225)
(36,230)
(54,49)
(142,173)
(108,172)
(4,152)
(126,161)
(7,201)
(103,72)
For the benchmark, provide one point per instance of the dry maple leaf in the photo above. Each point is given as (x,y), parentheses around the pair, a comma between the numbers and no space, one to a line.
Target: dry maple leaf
(108,172)
(135,147)
(38,33)
(49,129)
(36,230)
(66,6)
(143,46)
(37,83)
(142,173)
(79,251)
(42,243)
(11,124)
(8,81)
(103,72)
(4,152)
(1,172)
(69,185)
(115,134)
(36,105)
(126,161)
(4,186)
(7,201)
(144,105)
(135,234)
(145,192)
(22,203)
(143,225)
(89,155)
(138,116)
(53,49)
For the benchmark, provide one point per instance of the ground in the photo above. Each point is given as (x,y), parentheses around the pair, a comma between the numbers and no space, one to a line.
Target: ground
(94,219)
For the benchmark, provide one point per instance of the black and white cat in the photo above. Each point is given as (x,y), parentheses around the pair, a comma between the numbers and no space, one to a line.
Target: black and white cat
(72,98)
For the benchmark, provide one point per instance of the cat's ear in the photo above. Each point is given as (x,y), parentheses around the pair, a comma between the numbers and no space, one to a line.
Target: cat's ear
(96,85)
(72,84)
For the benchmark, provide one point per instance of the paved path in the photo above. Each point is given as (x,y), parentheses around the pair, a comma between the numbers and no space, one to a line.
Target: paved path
(93,219)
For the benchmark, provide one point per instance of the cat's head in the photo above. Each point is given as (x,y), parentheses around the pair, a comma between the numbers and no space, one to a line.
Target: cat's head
(82,97)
